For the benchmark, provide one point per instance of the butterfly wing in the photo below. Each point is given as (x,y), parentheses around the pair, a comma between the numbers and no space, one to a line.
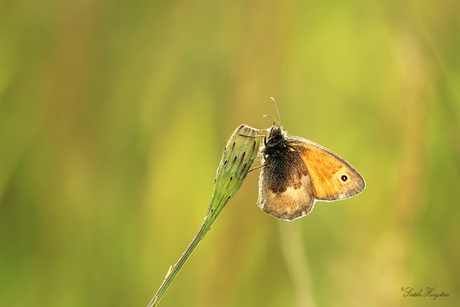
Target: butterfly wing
(294,200)
(332,177)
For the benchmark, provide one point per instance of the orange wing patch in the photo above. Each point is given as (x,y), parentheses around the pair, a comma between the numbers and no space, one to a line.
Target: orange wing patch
(322,170)
(332,177)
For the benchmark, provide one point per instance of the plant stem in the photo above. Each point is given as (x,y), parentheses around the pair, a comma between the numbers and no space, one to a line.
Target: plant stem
(175,270)
(238,157)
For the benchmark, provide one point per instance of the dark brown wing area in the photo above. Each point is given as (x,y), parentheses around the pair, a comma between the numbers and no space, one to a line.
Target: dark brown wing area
(285,187)
(295,201)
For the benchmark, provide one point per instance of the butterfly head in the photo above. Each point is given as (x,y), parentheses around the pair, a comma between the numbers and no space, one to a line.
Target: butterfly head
(275,142)
(275,135)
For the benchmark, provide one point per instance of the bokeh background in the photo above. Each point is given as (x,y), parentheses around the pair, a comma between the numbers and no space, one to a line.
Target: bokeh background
(114,116)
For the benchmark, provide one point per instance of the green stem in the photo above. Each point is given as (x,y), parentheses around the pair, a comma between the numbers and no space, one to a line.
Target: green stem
(238,157)
(175,270)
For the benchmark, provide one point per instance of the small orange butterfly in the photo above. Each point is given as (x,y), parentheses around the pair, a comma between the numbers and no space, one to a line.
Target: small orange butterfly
(297,172)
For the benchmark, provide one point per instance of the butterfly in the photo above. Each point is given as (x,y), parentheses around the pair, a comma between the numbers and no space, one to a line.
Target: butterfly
(297,172)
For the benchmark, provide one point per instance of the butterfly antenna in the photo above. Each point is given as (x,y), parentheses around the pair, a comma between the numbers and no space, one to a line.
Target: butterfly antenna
(265,116)
(276,107)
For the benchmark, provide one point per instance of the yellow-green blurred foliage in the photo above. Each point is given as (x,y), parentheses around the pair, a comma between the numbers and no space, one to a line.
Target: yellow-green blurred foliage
(114,116)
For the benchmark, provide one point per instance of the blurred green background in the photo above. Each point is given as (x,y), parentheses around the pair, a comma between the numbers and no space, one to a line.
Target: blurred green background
(114,116)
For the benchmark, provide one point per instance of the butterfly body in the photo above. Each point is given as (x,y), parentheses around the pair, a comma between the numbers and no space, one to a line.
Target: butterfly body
(296,172)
